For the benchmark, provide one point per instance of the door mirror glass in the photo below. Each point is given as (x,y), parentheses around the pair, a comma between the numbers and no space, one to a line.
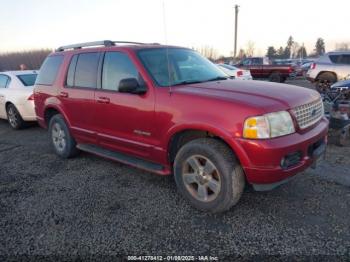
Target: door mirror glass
(131,85)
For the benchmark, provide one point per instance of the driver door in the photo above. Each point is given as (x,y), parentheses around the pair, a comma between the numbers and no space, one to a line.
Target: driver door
(124,121)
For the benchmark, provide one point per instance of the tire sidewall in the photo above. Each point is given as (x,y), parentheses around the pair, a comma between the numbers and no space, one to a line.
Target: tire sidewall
(70,143)
(275,77)
(19,117)
(222,167)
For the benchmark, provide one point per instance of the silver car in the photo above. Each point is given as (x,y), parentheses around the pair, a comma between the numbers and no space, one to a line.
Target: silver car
(330,68)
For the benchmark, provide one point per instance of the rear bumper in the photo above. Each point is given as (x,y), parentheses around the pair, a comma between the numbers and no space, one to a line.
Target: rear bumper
(27,111)
(265,156)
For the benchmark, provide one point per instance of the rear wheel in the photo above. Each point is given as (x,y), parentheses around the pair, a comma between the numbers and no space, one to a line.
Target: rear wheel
(14,117)
(208,175)
(61,139)
(275,77)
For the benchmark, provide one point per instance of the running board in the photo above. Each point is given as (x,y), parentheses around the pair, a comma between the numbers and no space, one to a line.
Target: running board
(123,158)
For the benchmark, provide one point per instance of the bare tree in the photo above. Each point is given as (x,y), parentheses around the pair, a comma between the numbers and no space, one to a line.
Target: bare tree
(208,51)
(342,46)
(294,49)
(250,49)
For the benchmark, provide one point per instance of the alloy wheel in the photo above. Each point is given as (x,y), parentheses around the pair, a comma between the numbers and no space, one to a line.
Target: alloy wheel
(59,137)
(12,117)
(201,178)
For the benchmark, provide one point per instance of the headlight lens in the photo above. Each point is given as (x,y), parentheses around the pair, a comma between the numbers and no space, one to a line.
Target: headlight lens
(268,126)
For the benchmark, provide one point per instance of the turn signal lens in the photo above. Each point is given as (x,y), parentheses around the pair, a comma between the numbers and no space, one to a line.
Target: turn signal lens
(256,127)
(268,126)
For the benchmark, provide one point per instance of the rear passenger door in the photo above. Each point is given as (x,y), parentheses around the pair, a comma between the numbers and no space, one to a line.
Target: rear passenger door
(78,96)
(4,83)
(124,121)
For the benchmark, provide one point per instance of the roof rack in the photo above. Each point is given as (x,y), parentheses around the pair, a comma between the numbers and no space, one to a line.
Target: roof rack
(96,43)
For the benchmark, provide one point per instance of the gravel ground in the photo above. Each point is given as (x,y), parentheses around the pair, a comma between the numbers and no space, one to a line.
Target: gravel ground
(89,206)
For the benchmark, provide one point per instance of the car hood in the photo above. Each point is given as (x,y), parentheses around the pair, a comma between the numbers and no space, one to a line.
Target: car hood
(266,96)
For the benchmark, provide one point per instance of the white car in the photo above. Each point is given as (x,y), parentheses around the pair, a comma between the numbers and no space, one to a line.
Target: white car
(235,72)
(16,97)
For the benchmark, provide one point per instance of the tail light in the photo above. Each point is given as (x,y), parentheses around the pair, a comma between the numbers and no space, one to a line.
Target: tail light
(31,97)
(313,66)
(239,73)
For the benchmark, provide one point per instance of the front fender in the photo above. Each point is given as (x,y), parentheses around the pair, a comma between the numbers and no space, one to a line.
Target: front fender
(227,137)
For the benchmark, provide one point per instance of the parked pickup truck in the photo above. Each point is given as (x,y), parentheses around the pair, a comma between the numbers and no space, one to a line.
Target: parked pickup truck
(261,67)
(168,110)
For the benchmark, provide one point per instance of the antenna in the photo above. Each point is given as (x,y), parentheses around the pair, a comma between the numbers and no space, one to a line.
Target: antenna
(167,48)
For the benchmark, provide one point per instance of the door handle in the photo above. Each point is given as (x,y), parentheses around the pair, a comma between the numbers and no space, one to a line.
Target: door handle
(103,100)
(63,94)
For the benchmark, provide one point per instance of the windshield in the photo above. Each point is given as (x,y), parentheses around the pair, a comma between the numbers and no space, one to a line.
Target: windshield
(184,66)
(27,80)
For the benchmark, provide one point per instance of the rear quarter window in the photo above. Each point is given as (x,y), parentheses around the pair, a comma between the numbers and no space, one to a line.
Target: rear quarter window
(49,70)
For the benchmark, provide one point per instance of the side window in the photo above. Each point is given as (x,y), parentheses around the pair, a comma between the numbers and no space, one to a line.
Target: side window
(117,66)
(335,58)
(246,62)
(4,81)
(49,70)
(256,61)
(86,70)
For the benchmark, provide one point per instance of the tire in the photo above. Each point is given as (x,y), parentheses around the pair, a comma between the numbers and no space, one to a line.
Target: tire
(324,81)
(14,117)
(275,77)
(283,79)
(61,139)
(215,190)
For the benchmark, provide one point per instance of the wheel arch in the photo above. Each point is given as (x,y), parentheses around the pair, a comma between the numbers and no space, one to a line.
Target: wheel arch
(330,72)
(51,111)
(182,135)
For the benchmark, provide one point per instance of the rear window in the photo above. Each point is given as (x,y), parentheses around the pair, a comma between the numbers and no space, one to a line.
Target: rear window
(49,70)
(27,80)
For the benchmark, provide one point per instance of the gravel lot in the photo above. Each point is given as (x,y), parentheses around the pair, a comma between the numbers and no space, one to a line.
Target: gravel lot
(91,206)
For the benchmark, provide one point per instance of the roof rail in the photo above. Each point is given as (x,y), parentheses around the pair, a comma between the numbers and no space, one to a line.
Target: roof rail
(96,43)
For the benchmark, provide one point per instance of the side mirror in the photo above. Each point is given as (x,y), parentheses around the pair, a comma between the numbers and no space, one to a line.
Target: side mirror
(131,85)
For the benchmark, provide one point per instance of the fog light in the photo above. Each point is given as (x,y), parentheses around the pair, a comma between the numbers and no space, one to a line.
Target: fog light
(291,160)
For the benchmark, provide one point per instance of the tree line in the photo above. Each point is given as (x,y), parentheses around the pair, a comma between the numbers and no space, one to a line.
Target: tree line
(294,50)
(31,59)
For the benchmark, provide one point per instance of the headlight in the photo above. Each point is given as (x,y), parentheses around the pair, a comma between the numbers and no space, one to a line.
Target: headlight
(268,126)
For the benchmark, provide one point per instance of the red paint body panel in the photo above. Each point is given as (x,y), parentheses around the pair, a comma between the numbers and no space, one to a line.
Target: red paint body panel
(216,107)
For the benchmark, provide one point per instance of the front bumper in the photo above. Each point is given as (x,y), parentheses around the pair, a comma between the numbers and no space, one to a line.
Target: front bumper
(264,157)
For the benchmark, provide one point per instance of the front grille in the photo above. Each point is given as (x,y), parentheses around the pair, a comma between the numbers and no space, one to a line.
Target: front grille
(309,114)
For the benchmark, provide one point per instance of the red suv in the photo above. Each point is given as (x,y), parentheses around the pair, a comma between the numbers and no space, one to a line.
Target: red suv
(169,110)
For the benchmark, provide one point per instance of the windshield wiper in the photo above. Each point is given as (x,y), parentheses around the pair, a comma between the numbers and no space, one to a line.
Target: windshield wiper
(186,82)
(218,78)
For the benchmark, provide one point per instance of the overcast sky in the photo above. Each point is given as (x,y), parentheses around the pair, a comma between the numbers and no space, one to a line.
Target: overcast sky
(30,24)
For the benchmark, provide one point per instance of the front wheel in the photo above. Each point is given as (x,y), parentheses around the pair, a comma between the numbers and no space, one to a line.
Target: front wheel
(61,139)
(208,175)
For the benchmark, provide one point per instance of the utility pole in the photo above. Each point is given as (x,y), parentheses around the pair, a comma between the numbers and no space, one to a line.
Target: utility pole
(236,26)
